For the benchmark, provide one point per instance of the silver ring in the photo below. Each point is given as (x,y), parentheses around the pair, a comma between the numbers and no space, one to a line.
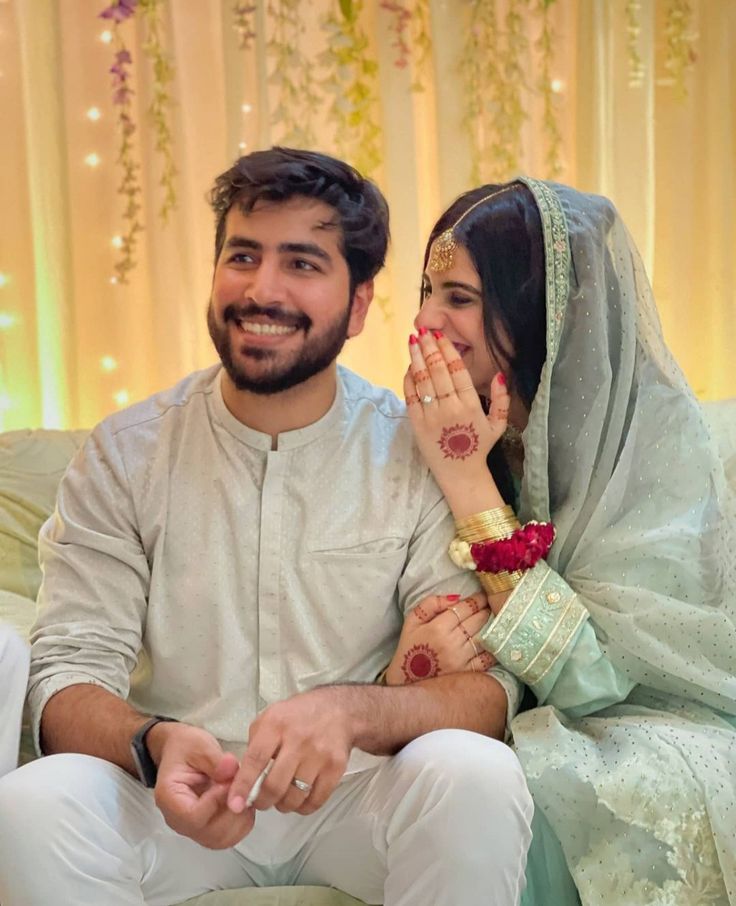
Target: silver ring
(302,785)
(457,616)
(427,400)
(475,647)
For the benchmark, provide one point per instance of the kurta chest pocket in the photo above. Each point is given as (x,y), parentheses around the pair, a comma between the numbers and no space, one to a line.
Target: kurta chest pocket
(365,569)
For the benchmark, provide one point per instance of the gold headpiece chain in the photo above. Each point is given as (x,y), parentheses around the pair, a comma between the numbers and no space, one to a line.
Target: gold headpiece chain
(442,253)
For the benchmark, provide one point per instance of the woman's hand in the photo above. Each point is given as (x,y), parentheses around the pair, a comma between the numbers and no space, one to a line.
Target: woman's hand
(437,638)
(451,429)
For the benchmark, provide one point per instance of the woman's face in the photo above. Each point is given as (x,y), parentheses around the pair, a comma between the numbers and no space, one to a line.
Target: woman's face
(452,302)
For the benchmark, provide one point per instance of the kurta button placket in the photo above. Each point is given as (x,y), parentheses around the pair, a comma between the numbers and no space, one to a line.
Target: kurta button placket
(269,575)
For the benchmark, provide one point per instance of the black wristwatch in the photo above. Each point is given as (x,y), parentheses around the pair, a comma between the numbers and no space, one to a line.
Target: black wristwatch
(144,764)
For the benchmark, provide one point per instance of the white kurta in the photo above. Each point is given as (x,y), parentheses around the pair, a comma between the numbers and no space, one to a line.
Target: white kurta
(232,575)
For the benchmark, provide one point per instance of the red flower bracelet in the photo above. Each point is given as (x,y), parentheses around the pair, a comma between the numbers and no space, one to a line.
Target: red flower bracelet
(522,550)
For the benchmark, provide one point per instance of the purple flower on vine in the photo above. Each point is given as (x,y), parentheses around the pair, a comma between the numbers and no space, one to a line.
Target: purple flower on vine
(119,11)
(121,96)
(121,91)
(402,17)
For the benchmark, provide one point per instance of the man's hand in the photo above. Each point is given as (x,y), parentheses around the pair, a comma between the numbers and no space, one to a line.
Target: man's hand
(309,737)
(194,778)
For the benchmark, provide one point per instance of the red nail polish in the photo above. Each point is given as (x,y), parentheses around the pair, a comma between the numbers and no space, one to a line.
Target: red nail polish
(453,597)
(422,331)
(437,334)
(412,340)
(502,378)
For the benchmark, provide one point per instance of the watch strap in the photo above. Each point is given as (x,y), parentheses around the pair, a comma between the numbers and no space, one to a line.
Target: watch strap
(144,764)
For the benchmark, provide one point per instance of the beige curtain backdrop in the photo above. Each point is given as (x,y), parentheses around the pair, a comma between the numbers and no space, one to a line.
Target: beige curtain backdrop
(74,346)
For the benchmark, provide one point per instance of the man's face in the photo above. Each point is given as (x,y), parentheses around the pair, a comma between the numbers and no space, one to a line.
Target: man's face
(280,309)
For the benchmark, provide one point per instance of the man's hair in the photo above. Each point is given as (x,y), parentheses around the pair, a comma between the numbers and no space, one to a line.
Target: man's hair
(279,174)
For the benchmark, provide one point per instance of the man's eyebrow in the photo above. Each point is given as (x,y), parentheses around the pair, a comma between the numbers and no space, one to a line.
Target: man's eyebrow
(242,242)
(305,248)
(299,248)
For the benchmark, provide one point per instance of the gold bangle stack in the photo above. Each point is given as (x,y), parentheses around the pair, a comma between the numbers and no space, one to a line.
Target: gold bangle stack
(490,525)
(494,583)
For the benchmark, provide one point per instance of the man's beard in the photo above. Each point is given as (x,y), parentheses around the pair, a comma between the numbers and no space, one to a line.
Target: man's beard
(315,356)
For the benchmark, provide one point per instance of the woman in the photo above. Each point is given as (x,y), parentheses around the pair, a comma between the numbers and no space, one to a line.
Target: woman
(535,297)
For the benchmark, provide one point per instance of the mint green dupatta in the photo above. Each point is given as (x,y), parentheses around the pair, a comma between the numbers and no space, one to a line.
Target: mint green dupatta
(627,634)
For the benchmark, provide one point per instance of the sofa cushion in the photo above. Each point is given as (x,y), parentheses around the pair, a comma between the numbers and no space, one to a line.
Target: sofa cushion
(31,464)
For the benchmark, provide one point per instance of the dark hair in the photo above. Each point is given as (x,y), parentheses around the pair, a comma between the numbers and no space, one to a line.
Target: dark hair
(282,173)
(504,240)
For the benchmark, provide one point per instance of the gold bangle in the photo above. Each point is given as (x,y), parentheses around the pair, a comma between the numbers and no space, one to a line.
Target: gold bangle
(489,532)
(487,529)
(499,518)
(494,583)
(499,512)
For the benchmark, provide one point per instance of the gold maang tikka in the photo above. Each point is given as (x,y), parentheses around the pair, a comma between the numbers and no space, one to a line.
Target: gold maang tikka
(442,253)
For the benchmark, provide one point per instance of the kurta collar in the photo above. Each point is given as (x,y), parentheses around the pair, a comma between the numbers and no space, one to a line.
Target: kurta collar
(288,440)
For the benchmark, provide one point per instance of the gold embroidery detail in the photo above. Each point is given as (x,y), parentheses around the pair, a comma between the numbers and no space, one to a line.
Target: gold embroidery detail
(537,624)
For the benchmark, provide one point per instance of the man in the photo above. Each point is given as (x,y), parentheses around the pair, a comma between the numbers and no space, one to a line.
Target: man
(237,554)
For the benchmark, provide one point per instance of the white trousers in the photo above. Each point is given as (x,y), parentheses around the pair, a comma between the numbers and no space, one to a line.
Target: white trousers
(446,821)
(14,660)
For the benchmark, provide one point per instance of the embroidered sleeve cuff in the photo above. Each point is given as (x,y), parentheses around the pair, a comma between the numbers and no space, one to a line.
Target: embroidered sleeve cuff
(533,634)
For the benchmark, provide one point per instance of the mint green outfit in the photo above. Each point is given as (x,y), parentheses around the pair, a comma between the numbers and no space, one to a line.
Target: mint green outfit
(627,633)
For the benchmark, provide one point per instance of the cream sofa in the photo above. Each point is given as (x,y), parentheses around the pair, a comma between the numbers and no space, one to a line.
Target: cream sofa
(31,464)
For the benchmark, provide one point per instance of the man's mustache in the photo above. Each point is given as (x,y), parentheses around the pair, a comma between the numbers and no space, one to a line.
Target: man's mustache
(275,314)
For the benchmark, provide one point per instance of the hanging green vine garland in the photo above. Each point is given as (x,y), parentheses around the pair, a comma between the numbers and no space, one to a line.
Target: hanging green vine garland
(681,39)
(421,42)
(122,95)
(509,120)
(352,75)
(545,47)
(161,107)
(291,76)
(482,87)
(633,32)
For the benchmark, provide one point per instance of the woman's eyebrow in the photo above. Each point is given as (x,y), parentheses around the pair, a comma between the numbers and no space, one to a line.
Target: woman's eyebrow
(454,284)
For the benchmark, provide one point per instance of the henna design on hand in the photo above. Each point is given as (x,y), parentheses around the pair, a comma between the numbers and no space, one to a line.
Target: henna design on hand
(410,400)
(459,441)
(421,613)
(434,358)
(420,662)
(486,660)
(456,365)
(420,376)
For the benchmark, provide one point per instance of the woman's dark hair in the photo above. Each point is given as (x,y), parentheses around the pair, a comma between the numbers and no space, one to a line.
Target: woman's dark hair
(503,237)
(283,173)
